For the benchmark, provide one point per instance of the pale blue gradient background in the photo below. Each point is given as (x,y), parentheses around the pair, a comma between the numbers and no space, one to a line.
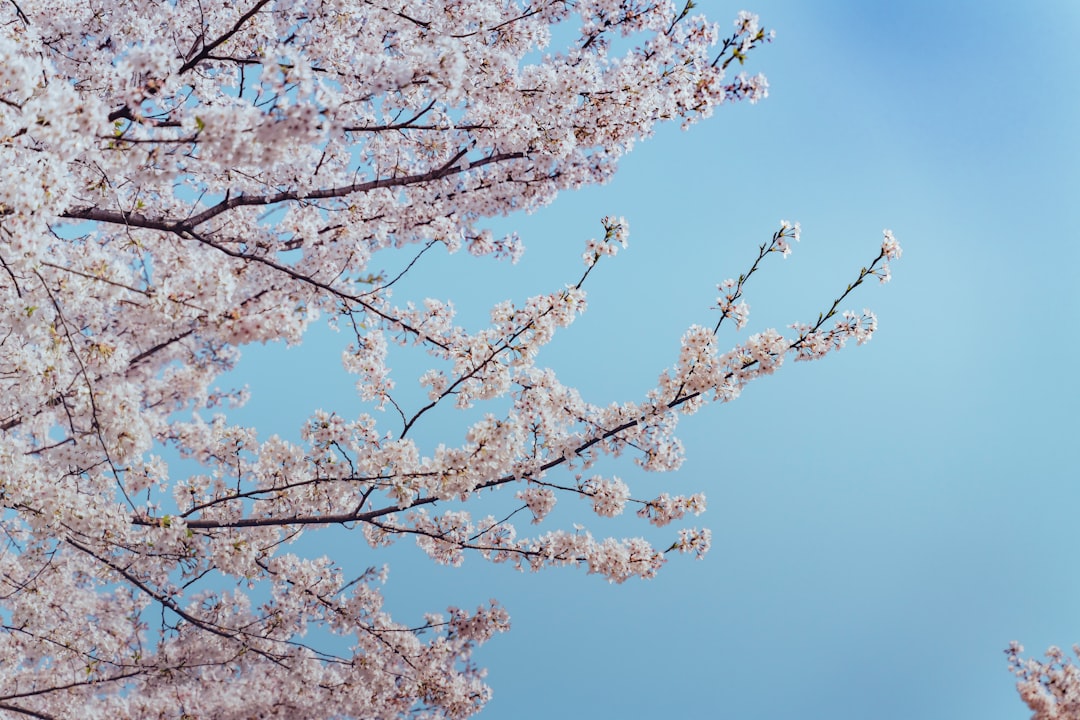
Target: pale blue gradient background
(885,521)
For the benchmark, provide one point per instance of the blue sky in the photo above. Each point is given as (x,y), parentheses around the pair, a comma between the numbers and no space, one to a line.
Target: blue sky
(885,521)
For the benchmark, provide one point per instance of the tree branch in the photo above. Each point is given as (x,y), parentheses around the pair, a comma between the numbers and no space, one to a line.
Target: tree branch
(207,49)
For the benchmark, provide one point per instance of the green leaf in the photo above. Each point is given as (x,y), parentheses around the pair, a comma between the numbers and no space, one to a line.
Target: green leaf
(199,124)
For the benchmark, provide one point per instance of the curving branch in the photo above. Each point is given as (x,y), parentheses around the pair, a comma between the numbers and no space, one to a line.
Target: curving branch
(208,48)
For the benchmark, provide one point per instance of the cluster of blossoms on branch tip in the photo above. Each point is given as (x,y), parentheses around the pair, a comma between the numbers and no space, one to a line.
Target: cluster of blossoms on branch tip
(180,180)
(1050,688)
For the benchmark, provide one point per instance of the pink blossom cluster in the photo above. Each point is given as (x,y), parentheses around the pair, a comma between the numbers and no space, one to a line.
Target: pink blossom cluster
(180,180)
(617,230)
(1050,688)
(665,508)
(694,540)
(609,495)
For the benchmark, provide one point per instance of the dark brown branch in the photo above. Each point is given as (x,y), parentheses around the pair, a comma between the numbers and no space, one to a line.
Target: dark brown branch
(72,685)
(160,346)
(310,281)
(27,712)
(133,219)
(207,49)
(186,227)
(397,126)
(409,126)
(228,634)
(450,168)
(20,13)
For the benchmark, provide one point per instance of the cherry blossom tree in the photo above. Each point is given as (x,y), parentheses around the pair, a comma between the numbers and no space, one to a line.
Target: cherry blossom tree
(182,179)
